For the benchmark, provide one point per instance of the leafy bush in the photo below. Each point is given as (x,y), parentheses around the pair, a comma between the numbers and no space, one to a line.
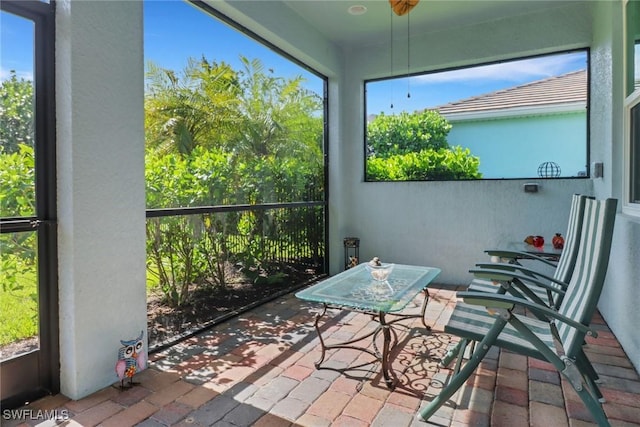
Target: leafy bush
(414,147)
(173,256)
(230,136)
(214,136)
(17,177)
(426,165)
(198,179)
(18,270)
(16,113)
(407,133)
(214,247)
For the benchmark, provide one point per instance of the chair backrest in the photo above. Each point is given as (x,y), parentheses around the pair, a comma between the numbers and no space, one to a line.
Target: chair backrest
(567,260)
(590,270)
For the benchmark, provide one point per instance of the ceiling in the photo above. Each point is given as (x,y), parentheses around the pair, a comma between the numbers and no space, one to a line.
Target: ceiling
(333,21)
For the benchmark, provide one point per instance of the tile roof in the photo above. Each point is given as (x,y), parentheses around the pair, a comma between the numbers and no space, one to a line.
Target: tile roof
(570,88)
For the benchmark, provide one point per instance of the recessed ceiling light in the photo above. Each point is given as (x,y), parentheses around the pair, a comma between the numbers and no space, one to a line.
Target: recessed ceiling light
(357,9)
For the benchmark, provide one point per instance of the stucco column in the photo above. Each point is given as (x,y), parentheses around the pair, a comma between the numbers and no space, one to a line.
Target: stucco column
(101,199)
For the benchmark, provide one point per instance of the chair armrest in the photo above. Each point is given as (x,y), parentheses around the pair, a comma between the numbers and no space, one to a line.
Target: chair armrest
(508,302)
(501,253)
(524,270)
(506,275)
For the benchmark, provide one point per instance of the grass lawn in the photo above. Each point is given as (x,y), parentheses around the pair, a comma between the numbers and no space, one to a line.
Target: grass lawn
(18,305)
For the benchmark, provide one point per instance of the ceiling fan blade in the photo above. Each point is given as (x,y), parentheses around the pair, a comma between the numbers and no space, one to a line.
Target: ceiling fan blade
(402,7)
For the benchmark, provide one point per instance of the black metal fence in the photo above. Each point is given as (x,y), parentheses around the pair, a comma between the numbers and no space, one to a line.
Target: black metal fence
(197,257)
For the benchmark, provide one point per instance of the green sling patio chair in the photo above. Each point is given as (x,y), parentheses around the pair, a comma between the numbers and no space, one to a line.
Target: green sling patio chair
(490,320)
(538,287)
(533,284)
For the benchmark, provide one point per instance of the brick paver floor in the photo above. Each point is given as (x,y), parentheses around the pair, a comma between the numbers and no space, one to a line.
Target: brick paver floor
(258,370)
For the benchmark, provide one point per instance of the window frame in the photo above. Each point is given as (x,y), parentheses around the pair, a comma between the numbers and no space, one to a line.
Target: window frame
(587,146)
(631,155)
(48,370)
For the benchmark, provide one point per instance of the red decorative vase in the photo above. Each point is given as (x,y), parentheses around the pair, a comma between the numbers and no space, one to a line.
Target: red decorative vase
(557,241)
(538,241)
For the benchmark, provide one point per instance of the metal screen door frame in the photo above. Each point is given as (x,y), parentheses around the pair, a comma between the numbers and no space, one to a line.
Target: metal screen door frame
(37,373)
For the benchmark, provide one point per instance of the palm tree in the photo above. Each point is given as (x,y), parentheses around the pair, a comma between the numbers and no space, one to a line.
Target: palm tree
(197,109)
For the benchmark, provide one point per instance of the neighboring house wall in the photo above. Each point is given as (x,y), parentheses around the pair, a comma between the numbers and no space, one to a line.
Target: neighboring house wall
(514,147)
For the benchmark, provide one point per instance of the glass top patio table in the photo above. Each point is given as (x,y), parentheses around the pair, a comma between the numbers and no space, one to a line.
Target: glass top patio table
(355,288)
(545,251)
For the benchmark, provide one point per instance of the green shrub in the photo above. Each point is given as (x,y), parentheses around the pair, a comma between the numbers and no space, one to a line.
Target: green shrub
(407,133)
(198,179)
(17,178)
(16,118)
(173,258)
(426,165)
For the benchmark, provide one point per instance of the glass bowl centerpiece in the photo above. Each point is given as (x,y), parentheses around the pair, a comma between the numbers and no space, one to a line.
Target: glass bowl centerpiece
(380,288)
(380,272)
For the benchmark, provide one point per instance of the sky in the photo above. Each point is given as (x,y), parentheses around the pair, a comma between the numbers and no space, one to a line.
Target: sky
(175,30)
(431,90)
(16,46)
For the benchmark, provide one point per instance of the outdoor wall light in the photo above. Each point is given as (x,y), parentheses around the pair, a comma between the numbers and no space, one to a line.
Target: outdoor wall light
(597,169)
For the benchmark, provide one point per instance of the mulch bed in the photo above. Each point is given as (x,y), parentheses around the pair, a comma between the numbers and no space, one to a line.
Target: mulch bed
(207,306)
(210,305)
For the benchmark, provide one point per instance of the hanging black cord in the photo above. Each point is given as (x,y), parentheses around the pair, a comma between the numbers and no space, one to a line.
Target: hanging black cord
(391,50)
(408,56)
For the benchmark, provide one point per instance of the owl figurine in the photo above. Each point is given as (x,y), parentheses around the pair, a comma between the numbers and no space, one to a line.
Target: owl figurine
(132,358)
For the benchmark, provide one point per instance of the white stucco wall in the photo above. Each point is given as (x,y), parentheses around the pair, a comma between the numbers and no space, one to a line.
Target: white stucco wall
(279,25)
(447,224)
(101,200)
(429,223)
(621,294)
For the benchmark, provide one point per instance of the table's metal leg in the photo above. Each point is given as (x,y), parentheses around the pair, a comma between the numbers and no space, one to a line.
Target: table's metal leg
(386,341)
(399,316)
(423,310)
(322,346)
